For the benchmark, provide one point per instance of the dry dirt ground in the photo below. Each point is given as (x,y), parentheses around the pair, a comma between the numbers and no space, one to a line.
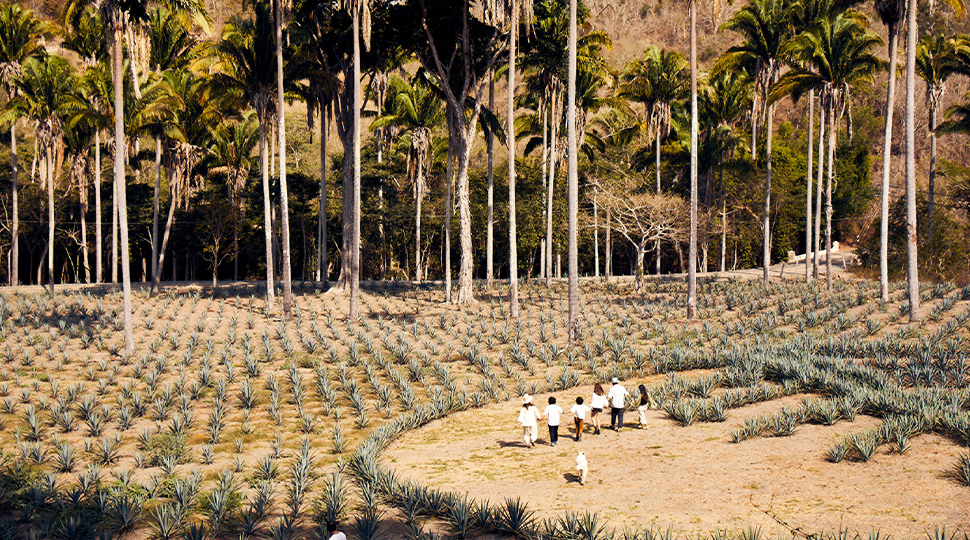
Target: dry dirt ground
(692,478)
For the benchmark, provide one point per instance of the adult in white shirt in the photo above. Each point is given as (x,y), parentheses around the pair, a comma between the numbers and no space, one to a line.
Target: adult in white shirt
(335,534)
(617,397)
(528,418)
(552,415)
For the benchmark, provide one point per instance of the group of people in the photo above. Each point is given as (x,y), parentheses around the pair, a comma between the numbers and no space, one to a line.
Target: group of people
(615,400)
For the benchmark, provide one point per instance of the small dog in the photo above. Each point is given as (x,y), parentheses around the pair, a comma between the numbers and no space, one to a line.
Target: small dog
(582,466)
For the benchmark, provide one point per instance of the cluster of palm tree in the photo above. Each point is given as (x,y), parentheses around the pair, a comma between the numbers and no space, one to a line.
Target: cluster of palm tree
(150,72)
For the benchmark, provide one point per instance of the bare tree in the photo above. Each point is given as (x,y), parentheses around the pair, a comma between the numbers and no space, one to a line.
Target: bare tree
(643,218)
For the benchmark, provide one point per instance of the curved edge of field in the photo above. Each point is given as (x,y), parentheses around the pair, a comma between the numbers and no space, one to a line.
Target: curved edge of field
(692,478)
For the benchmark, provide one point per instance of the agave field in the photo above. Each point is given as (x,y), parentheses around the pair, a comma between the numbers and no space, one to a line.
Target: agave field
(229,423)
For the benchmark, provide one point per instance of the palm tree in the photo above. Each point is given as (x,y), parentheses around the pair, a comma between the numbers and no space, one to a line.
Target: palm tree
(232,143)
(360,21)
(912,261)
(513,9)
(281,132)
(171,48)
(21,38)
(546,68)
(184,119)
(43,96)
(692,242)
(245,71)
(936,60)
(765,27)
(321,93)
(121,13)
(831,58)
(95,108)
(805,15)
(87,38)
(724,100)
(891,13)
(573,183)
(77,147)
(417,110)
(657,80)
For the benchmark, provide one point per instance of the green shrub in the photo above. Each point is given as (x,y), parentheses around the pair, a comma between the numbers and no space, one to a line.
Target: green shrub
(163,445)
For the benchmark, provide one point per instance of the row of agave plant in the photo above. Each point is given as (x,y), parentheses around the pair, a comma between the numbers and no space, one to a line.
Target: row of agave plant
(390,363)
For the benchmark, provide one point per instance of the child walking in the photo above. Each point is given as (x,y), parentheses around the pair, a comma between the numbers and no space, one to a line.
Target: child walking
(553,413)
(579,416)
(528,418)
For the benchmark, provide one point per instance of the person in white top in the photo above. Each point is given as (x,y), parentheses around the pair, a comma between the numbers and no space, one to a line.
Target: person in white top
(334,533)
(528,418)
(597,404)
(617,397)
(552,415)
(579,416)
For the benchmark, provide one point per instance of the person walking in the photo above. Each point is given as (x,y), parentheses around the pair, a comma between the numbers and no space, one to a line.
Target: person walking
(617,397)
(579,416)
(552,414)
(597,404)
(528,418)
(644,405)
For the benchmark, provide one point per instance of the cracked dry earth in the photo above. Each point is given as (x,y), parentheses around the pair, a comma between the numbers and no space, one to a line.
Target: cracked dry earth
(693,478)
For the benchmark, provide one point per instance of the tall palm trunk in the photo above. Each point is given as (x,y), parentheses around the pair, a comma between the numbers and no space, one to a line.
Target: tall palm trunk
(543,111)
(886,161)
(120,189)
(99,245)
(83,199)
(767,221)
(656,156)
(596,238)
(932,183)
(912,270)
(448,212)
(573,184)
(808,179)
(816,256)
(828,194)
(158,189)
(692,250)
(284,194)
(724,216)
(489,238)
(355,211)
(754,128)
(157,275)
(608,251)
(15,226)
(322,274)
(551,186)
(49,166)
(114,218)
(267,213)
(510,129)
(418,197)
(657,164)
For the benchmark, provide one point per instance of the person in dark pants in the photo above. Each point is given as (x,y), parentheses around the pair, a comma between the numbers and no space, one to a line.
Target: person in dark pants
(617,397)
(552,414)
